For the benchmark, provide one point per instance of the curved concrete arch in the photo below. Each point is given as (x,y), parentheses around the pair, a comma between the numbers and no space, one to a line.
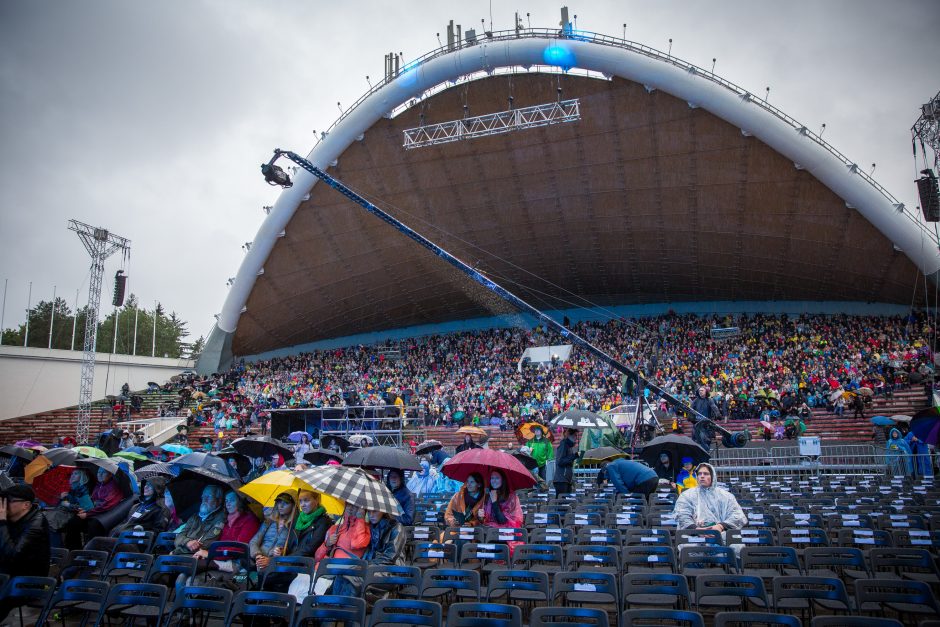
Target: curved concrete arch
(640,65)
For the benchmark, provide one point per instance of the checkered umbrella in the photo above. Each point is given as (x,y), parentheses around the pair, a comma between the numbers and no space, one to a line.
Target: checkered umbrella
(352,485)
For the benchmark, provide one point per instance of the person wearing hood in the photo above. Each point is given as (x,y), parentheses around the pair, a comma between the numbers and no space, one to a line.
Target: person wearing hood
(541,449)
(898,454)
(920,455)
(463,506)
(105,497)
(205,526)
(386,548)
(423,482)
(395,481)
(686,477)
(468,444)
(348,537)
(708,506)
(665,470)
(150,514)
(79,496)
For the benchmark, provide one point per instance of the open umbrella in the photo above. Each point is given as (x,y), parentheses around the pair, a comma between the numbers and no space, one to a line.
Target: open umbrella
(135,449)
(901,418)
(525,458)
(297,436)
(320,456)
(881,421)
(602,454)
(427,447)
(266,488)
(329,440)
(678,446)
(353,485)
(459,415)
(122,478)
(135,457)
(158,469)
(202,460)
(834,396)
(30,444)
(58,456)
(527,431)
(866,391)
(242,463)
(476,432)
(766,425)
(176,449)
(50,485)
(382,457)
(90,451)
(579,419)
(186,489)
(36,467)
(925,424)
(483,460)
(11,450)
(261,446)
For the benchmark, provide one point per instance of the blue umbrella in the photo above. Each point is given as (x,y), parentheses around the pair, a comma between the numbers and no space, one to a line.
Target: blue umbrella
(297,435)
(881,421)
(177,449)
(136,449)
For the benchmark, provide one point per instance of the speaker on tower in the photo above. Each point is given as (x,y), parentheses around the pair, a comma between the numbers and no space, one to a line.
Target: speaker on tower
(929,196)
(119,283)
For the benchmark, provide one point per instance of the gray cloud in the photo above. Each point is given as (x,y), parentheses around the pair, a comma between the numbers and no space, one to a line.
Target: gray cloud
(151,118)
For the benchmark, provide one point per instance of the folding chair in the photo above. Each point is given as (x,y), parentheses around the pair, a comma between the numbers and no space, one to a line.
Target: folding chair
(391,612)
(540,557)
(131,601)
(31,592)
(331,609)
(752,619)
(649,558)
(442,583)
(84,564)
(57,558)
(768,562)
(101,543)
(729,592)
(902,596)
(589,587)
(286,565)
(135,541)
(334,567)
(228,551)
(77,595)
(599,557)
(856,621)
(170,567)
(679,618)
(806,593)
(164,543)
(914,564)
(656,589)
(433,554)
(551,535)
(493,535)
(483,615)
(599,535)
(260,603)
(393,580)
(128,565)
(568,617)
(199,602)
(526,587)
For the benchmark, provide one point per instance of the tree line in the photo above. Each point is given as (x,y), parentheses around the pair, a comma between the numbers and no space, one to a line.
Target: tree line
(68,330)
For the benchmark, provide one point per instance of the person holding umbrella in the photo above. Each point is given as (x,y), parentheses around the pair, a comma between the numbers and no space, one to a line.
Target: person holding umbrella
(541,450)
(348,537)
(501,507)
(105,497)
(564,465)
(79,496)
(467,444)
(276,535)
(462,510)
(395,480)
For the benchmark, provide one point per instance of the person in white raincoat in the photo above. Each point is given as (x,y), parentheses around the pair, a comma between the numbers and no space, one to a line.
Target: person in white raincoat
(707,506)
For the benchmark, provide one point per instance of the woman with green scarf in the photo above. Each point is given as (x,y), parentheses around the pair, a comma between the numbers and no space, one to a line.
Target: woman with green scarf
(311,525)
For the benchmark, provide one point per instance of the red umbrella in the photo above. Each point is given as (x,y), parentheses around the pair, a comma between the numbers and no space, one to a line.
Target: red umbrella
(483,460)
(50,485)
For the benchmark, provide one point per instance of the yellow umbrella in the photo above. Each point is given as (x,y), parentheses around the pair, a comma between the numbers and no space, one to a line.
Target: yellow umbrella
(35,468)
(526,432)
(266,488)
(474,431)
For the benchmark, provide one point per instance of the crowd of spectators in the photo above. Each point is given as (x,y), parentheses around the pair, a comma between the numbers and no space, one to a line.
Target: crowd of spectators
(476,376)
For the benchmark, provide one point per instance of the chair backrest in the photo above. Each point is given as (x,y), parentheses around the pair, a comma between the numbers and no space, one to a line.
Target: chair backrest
(530,555)
(698,536)
(425,554)
(32,591)
(917,538)
(295,564)
(902,560)
(592,556)
(473,553)
(125,564)
(57,558)
(229,551)
(173,565)
(833,558)
(650,556)
(551,535)
(568,617)
(101,543)
(135,594)
(422,533)
(536,519)
(911,593)
(483,615)
(779,557)
(636,618)
(800,537)
(863,537)
(585,581)
(822,588)
(393,577)
(505,534)
(406,612)
(856,621)
(525,580)
(211,600)
(743,586)
(599,535)
(85,564)
(262,603)
(647,537)
(761,536)
(465,534)
(707,556)
(328,608)
(748,619)
(451,579)
(164,543)
(84,594)
(140,540)
(665,584)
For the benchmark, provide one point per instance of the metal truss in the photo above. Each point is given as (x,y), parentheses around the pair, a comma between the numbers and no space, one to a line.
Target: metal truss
(494,123)
(100,245)
(927,127)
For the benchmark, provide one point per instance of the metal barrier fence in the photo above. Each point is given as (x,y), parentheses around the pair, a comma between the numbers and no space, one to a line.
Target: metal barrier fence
(842,459)
(156,430)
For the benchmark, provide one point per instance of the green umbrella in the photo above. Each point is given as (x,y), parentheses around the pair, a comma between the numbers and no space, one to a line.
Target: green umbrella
(137,457)
(90,451)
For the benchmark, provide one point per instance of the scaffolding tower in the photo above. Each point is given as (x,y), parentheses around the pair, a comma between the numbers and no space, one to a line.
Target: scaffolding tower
(100,245)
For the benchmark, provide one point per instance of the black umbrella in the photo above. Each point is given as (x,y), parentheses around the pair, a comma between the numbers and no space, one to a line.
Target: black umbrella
(204,460)
(5,481)
(261,446)
(525,458)
(320,456)
(678,446)
(186,489)
(61,456)
(242,463)
(427,447)
(328,441)
(17,451)
(158,469)
(121,477)
(382,457)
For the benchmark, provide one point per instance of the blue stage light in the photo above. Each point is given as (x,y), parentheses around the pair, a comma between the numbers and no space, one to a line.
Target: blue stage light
(560,55)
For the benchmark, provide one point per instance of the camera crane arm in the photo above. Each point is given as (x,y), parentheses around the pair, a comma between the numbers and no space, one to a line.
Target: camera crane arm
(275,175)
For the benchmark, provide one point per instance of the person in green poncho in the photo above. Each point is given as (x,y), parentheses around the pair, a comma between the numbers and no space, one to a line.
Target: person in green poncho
(542,450)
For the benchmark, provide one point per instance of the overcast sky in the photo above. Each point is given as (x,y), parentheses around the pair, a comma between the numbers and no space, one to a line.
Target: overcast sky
(151,118)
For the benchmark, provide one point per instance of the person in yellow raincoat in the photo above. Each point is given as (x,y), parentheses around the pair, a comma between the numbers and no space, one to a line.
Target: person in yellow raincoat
(542,450)
(686,477)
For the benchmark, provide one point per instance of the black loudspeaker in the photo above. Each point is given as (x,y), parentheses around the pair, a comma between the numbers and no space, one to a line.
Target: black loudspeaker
(929,196)
(119,283)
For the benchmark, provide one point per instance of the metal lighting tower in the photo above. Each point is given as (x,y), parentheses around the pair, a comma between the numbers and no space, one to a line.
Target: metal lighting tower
(927,128)
(100,245)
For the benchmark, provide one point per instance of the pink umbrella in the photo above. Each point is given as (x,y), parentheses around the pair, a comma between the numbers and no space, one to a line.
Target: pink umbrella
(766,425)
(483,460)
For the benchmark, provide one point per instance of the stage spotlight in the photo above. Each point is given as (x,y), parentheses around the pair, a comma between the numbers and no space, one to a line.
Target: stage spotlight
(274,174)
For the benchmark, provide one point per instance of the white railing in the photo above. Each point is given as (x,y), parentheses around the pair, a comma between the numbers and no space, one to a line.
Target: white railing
(156,430)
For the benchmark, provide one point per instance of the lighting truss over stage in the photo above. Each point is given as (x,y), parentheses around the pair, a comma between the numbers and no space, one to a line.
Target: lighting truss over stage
(494,123)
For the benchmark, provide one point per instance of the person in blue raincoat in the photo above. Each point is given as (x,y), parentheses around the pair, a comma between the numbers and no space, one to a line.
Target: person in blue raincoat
(920,460)
(424,481)
(898,454)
